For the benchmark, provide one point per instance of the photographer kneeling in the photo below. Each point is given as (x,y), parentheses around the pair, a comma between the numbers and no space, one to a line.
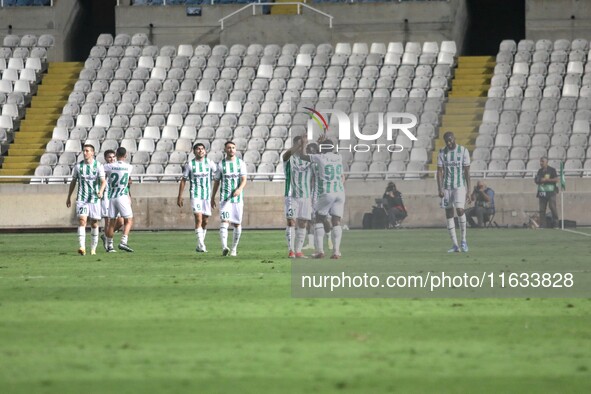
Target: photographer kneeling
(394,205)
(484,205)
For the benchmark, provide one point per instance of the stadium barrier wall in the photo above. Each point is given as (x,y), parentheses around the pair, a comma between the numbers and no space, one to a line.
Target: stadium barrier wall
(363,22)
(554,19)
(36,206)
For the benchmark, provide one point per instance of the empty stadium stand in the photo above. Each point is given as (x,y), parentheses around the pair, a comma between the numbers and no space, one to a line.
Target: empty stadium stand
(23,63)
(157,102)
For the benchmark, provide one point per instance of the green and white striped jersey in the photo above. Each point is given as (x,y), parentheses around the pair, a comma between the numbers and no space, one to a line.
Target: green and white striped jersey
(329,171)
(199,175)
(88,177)
(229,173)
(118,174)
(298,177)
(453,162)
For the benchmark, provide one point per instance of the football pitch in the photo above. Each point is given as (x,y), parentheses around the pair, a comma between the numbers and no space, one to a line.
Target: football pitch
(166,319)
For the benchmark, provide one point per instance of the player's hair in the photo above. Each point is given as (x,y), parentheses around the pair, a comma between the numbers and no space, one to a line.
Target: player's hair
(121,152)
(108,152)
(229,142)
(88,146)
(313,147)
(447,134)
(197,145)
(544,158)
(297,139)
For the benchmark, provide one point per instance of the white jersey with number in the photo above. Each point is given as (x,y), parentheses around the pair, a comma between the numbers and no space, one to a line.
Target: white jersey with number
(118,178)
(328,173)
(453,162)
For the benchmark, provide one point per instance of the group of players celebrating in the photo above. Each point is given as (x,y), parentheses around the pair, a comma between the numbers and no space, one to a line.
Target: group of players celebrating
(314,195)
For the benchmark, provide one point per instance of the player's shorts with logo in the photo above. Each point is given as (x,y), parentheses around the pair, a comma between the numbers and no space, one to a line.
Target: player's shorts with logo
(231,212)
(120,206)
(454,198)
(298,208)
(91,210)
(202,206)
(330,204)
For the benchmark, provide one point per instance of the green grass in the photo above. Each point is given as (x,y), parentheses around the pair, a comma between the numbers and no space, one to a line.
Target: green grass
(165,319)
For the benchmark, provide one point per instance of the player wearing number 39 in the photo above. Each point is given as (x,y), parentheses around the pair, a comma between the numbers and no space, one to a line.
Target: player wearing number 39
(90,176)
(331,195)
(198,171)
(118,174)
(453,183)
(230,174)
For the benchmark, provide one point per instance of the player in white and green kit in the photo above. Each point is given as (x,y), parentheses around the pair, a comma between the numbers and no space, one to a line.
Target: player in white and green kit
(230,178)
(198,172)
(109,156)
(298,197)
(453,183)
(90,176)
(118,174)
(331,196)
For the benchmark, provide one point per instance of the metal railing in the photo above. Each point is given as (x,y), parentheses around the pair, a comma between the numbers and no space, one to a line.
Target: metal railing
(275,177)
(299,11)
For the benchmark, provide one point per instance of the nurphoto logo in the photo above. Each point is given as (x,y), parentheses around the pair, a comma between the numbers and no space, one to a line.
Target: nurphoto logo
(387,123)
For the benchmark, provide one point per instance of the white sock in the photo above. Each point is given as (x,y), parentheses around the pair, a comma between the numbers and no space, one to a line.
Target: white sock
(300,236)
(200,237)
(289,237)
(319,237)
(451,228)
(224,234)
(311,238)
(109,243)
(462,220)
(82,237)
(336,235)
(124,239)
(94,237)
(236,237)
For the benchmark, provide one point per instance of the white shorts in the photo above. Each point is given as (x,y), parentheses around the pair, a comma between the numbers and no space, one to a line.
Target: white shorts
(298,208)
(120,206)
(454,198)
(201,206)
(105,207)
(91,210)
(231,212)
(330,203)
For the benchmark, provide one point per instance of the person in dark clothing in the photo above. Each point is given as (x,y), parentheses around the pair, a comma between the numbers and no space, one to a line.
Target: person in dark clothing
(547,181)
(484,205)
(392,200)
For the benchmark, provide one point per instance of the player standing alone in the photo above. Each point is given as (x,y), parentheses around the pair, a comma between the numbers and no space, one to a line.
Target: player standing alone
(453,183)
(230,174)
(298,193)
(198,171)
(119,173)
(90,176)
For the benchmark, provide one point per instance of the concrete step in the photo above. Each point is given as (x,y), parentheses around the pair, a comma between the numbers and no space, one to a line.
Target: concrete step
(34,145)
(41,117)
(21,159)
(36,129)
(472,123)
(28,134)
(37,122)
(461,117)
(15,151)
(464,110)
(49,103)
(19,166)
(5,172)
(45,111)
(469,93)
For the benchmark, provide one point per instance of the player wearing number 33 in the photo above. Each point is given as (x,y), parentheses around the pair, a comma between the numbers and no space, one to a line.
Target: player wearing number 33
(118,174)
(230,178)
(331,194)
(90,176)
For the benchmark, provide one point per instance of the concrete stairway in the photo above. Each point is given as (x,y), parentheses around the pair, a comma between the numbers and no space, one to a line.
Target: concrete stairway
(37,126)
(285,9)
(465,105)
